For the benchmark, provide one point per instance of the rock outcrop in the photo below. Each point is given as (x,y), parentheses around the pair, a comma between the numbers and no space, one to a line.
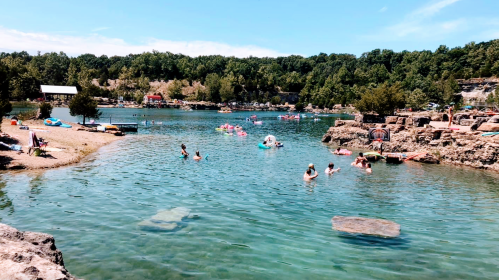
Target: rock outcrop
(367,226)
(165,220)
(30,255)
(429,144)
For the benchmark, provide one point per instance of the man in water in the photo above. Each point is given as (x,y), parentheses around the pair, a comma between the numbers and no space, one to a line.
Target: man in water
(360,161)
(308,174)
(330,169)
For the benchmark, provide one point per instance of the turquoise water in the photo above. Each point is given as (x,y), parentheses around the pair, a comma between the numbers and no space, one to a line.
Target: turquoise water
(252,215)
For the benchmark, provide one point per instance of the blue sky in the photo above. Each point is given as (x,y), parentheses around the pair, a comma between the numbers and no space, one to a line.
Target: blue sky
(243,28)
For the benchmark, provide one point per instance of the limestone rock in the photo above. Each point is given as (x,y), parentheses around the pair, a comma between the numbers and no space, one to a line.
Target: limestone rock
(492,127)
(391,120)
(367,226)
(30,255)
(165,220)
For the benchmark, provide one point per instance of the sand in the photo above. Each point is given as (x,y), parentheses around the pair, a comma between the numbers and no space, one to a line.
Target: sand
(65,145)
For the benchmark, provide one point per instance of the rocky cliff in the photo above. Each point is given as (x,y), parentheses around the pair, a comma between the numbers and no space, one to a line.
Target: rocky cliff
(442,145)
(30,255)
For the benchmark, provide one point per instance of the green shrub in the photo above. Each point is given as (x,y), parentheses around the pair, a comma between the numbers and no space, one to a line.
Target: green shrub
(45,110)
(299,106)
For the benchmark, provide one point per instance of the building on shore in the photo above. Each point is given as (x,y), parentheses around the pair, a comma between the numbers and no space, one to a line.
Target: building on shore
(62,93)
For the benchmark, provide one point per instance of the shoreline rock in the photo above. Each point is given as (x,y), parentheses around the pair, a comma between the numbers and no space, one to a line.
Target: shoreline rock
(30,255)
(431,145)
(377,227)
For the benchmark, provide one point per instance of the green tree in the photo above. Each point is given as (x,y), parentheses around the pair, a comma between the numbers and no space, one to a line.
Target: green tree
(299,106)
(174,89)
(276,100)
(383,100)
(493,97)
(24,86)
(417,99)
(212,84)
(82,104)
(45,110)
(226,89)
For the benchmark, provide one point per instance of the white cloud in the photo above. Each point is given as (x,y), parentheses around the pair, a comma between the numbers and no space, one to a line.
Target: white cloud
(419,24)
(14,40)
(431,9)
(382,10)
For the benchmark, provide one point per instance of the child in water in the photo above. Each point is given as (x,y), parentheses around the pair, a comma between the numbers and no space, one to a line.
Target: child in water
(197,156)
(368,169)
(184,152)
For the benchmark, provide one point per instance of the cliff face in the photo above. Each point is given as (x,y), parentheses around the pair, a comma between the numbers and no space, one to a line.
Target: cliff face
(447,146)
(30,255)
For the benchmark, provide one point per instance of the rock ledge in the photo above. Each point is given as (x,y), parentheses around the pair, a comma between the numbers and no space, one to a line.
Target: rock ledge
(30,255)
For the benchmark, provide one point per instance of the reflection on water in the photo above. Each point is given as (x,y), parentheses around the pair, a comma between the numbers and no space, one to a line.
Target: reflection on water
(253,216)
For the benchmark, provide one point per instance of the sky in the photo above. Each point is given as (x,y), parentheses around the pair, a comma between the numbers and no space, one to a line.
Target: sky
(244,28)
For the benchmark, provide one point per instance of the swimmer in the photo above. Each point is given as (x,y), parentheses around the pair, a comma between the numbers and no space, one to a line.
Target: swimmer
(184,152)
(368,169)
(197,156)
(360,161)
(330,169)
(337,151)
(265,143)
(308,175)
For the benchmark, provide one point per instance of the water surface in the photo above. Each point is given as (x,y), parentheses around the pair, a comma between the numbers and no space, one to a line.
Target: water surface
(252,216)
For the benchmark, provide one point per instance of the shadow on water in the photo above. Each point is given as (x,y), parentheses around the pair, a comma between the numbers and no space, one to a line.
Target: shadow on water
(401,243)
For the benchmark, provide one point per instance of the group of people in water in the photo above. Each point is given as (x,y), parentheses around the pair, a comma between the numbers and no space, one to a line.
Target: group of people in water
(360,161)
(197,157)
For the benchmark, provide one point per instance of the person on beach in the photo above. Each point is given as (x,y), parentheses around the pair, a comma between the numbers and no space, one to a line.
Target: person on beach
(368,169)
(330,169)
(184,152)
(197,156)
(451,108)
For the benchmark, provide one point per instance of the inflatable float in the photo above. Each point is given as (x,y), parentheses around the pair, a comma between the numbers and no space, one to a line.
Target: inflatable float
(343,152)
(56,122)
(241,133)
(490,134)
(261,146)
(258,122)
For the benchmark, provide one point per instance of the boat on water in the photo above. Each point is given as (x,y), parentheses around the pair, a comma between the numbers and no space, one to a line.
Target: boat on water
(225,111)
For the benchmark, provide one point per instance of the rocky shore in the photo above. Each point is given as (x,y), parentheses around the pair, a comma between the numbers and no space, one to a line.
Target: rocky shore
(30,255)
(426,144)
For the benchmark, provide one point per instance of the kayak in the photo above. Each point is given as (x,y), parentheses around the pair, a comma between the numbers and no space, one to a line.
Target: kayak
(261,146)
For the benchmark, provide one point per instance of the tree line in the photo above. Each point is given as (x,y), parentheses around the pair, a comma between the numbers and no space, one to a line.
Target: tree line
(325,80)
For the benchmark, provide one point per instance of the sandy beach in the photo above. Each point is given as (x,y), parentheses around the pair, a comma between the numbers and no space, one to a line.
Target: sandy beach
(65,145)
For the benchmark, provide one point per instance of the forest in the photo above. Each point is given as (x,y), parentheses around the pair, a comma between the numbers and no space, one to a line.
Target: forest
(417,77)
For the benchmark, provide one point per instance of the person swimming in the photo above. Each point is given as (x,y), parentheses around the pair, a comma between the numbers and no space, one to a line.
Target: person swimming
(368,169)
(337,151)
(184,152)
(197,156)
(308,175)
(330,169)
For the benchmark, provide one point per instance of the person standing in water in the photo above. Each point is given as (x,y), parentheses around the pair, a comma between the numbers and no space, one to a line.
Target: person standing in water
(368,169)
(184,152)
(308,174)
(330,169)
(197,156)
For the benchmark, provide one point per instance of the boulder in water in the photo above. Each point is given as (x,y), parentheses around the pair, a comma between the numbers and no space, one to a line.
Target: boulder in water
(368,226)
(165,220)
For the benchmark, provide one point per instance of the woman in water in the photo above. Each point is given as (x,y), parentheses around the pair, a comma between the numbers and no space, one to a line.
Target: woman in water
(451,114)
(197,156)
(184,152)
(330,169)
(337,151)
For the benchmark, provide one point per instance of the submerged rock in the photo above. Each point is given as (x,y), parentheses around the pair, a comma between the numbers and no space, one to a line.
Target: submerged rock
(30,255)
(165,220)
(368,226)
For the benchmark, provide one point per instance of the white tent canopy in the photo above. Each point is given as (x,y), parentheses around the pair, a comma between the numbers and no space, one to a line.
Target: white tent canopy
(58,90)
